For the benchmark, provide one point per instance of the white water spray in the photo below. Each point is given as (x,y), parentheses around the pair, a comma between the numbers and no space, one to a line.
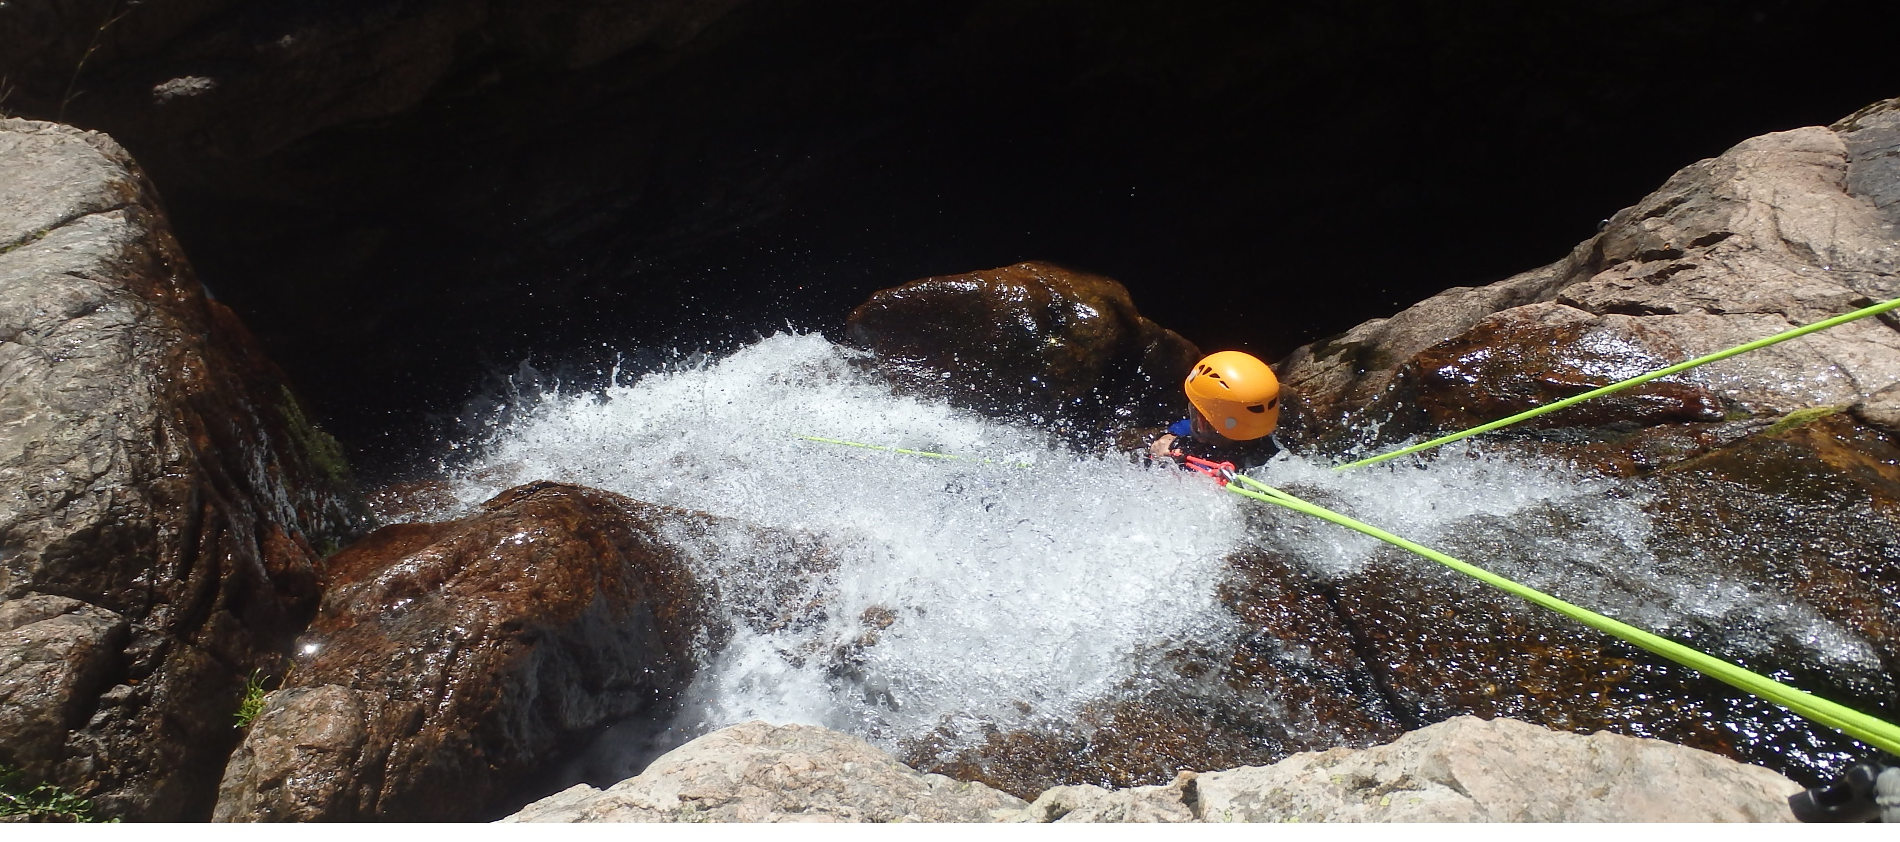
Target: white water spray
(956,597)
(996,593)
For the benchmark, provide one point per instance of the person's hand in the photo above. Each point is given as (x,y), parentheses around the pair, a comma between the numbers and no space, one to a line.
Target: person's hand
(1161,447)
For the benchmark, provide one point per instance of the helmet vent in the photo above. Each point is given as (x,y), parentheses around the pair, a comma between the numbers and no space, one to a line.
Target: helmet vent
(1256,408)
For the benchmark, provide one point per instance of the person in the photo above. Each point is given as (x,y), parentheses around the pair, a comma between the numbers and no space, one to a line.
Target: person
(1233,409)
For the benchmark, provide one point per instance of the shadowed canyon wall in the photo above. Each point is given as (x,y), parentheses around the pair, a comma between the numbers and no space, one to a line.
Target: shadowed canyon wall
(405,198)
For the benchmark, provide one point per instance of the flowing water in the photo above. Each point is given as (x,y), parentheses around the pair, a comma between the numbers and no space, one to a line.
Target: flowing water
(1025,580)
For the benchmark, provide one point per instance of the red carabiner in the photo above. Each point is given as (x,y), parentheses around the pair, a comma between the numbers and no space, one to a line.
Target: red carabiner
(1220,472)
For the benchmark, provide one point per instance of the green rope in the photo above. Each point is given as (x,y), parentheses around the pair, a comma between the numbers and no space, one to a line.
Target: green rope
(906,452)
(1634,381)
(1860,726)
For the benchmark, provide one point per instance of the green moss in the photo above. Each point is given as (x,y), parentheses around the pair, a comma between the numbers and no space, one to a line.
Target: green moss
(41,802)
(318,448)
(1799,417)
(252,702)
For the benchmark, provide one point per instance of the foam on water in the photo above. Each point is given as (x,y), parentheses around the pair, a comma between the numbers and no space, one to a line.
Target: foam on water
(999,593)
(1019,588)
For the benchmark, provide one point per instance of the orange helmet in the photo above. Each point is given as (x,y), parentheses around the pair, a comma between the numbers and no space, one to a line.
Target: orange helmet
(1236,393)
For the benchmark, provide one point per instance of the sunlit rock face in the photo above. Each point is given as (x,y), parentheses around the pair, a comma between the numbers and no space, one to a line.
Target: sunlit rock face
(1032,341)
(163,499)
(1465,769)
(1780,231)
(455,666)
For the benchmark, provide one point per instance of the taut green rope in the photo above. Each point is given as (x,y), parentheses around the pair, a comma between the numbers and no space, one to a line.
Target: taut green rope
(1860,726)
(1634,381)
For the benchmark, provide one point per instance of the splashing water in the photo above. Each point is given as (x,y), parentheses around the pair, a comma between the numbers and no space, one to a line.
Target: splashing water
(1009,590)
(959,596)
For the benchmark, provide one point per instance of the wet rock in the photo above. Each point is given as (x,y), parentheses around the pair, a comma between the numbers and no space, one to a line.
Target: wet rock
(1758,486)
(56,656)
(1804,517)
(1529,356)
(455,668)
(154,467)
(1292,681)
(1032,341)
(757,772)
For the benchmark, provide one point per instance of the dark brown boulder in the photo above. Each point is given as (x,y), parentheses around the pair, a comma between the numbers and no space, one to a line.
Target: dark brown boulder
(1032,341)
(157,479)
(1529,356)
(453,667)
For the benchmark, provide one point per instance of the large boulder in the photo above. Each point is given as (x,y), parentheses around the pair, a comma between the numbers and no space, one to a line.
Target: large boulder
(163,499)
(1465,769)
(1781,230)
(456,668)
(755,772)
(1032,341)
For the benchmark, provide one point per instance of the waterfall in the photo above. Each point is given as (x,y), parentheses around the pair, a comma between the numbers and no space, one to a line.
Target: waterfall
(956,597)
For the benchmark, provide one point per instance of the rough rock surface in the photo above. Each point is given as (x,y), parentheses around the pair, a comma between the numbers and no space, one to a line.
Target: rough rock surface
(455,666)
(163,501)
(1030,340)
(1781,230)
(1464,769)
(761,773)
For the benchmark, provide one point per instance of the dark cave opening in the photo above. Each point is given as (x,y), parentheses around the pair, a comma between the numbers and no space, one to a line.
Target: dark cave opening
(1259,175)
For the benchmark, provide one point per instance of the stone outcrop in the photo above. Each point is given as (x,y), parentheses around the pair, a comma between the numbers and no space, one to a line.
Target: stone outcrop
(1776,468)
(455,666)
(1465,769)
(760,773)
(1032,341)
(1782,230)
(163,500)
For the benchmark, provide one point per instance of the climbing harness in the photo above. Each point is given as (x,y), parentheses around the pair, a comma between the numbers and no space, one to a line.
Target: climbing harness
(1678,368)
(1220,472)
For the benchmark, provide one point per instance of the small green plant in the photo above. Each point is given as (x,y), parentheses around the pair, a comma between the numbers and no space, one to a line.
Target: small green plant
(40,802)
(252,702)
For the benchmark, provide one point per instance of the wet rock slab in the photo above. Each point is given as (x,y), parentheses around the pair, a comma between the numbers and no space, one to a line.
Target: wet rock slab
(1033,341)
(1767,478)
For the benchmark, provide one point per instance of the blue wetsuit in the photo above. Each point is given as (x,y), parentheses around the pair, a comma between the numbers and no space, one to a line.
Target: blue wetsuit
(1244,455)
